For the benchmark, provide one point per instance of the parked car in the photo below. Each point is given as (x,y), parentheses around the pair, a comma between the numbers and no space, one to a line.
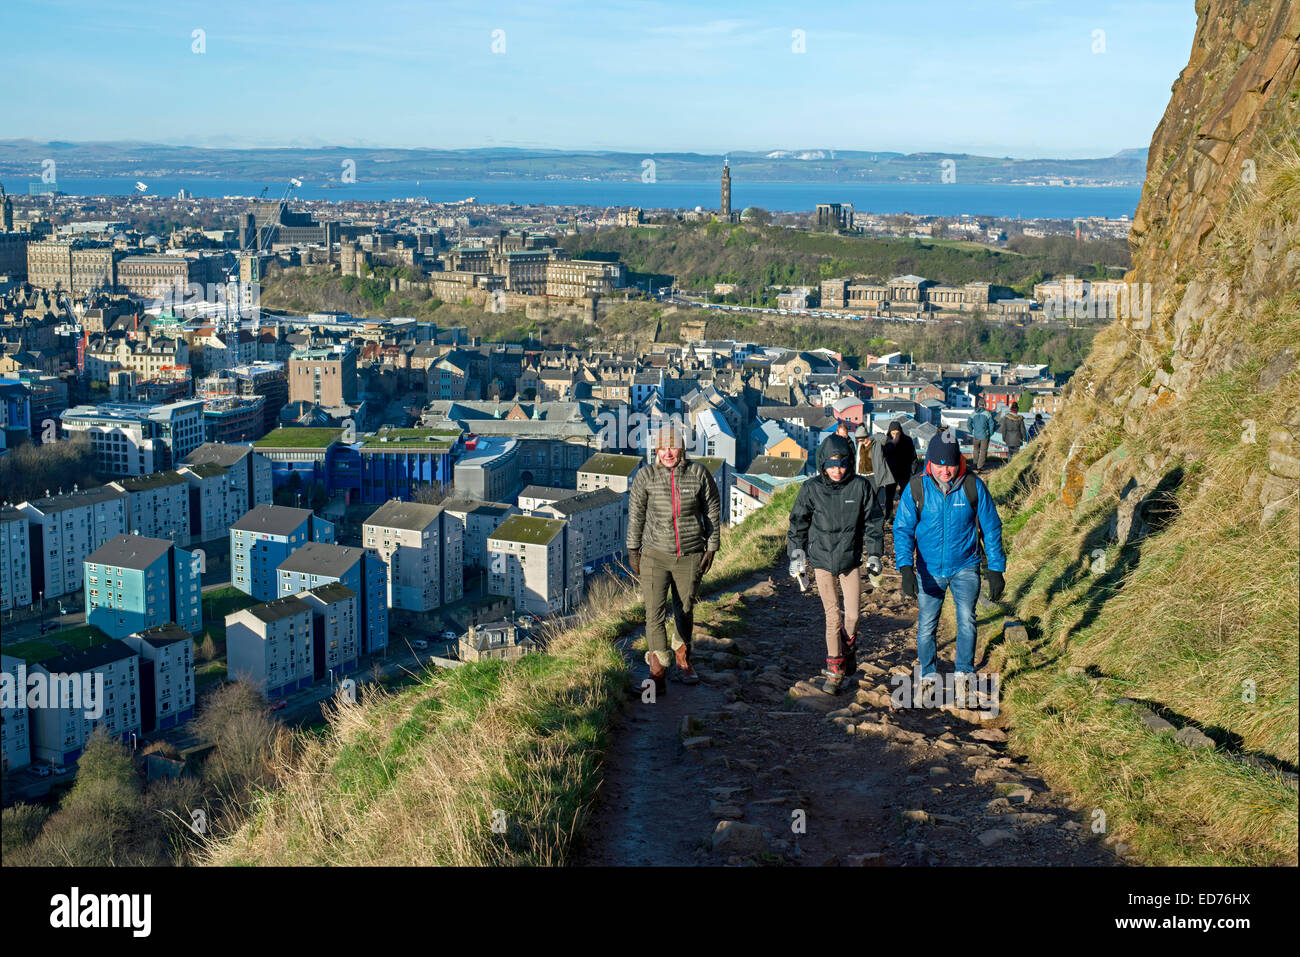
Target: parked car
(419,644)
(48,626)
(39,771)
(58,769)
(449,636)
(279,705)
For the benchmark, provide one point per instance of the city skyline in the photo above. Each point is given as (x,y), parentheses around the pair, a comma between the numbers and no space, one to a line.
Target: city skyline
(647,76)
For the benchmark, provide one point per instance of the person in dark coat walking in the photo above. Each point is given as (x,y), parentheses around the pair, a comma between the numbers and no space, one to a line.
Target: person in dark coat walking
(835,519)
(900,456)
(1013,432)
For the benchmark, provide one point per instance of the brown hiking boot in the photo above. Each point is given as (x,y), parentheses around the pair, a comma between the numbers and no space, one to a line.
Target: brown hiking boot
(658,674)
(685,673)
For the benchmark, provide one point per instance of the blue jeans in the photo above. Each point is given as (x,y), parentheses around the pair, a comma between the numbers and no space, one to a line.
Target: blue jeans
(965,588)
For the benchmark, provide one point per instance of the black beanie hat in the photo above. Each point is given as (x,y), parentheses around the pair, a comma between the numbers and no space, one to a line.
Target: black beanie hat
(837,447)
(943,451)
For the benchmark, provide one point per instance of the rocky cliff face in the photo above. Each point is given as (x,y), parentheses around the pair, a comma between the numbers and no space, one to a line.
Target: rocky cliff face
(1229,131)
(1154,529)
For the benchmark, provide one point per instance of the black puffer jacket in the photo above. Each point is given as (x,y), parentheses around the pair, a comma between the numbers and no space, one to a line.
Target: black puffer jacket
(835,523)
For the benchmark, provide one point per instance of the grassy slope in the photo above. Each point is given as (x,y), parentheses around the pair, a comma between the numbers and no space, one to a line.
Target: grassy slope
(1190,619)
(415,777)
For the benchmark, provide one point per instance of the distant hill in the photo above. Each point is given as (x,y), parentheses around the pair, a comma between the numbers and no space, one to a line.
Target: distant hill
(21,159)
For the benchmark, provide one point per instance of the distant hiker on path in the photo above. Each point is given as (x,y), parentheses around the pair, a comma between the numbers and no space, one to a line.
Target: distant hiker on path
(1013,432)
(871,464)
(982,428)
(674,529)
(900,455)
(937,545)
(835,518)
(1036,427)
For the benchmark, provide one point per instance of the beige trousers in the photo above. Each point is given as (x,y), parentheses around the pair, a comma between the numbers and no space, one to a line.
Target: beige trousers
(850,587)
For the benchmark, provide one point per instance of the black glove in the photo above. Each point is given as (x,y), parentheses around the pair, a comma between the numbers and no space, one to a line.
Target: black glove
(634,561)
(706,562)
(996,585)
(909,580)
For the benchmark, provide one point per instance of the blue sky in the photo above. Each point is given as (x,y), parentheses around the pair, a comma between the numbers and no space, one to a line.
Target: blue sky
(1001,77)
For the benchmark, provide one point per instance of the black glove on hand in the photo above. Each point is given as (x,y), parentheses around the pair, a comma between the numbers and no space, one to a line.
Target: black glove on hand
(706,563)
(634,561)
(996,584)
(909,580)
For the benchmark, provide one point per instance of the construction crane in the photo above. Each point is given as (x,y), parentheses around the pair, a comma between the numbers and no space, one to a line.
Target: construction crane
(261,239)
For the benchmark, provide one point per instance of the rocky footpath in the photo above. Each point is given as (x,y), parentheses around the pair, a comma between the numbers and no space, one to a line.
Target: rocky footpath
(756,765)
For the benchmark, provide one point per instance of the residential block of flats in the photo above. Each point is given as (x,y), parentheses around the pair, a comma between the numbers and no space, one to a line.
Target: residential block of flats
(536,562)
(102,685)
(319,563)
(423,549)
(166,675)
(157,505)
(270,646)
(65,529)
(133,583)
(265,537)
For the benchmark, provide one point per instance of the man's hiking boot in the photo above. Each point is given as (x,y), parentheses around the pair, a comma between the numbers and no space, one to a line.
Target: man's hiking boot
(962,688)
(835,675)
(658,673)
(685,673)
(923,689)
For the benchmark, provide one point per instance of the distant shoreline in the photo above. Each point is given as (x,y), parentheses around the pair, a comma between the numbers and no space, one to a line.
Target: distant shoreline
(976,199)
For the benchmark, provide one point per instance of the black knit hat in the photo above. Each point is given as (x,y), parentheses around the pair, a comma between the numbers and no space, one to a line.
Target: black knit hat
(943,451)
(837,448)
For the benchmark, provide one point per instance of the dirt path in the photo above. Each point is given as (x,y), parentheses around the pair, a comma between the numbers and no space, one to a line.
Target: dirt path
(801,777)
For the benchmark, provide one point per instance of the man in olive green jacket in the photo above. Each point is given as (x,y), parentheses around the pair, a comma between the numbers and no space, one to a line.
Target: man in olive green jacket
(674,519)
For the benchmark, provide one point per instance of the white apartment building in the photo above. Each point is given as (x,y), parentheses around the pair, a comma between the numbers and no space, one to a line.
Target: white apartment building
(15,724)
(714,437)
(336,629)
(423,547)
(270,646)
(157,505)
(537,562)
(608,470)
(600,517)
(478,520)
(215,502)
(68,528)
(60,731)
(136,438)
(15,560)
(249,471)
(166,675)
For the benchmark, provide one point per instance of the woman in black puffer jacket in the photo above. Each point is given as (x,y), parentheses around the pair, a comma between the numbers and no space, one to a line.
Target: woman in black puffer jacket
(836,518)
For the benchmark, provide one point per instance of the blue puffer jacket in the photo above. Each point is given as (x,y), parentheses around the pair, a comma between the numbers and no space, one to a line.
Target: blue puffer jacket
(945,539)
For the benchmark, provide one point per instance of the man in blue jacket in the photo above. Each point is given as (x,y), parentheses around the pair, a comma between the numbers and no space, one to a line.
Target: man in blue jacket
(937,541)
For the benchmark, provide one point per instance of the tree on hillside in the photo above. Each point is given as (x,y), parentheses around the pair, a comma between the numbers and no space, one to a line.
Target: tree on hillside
(27,471)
